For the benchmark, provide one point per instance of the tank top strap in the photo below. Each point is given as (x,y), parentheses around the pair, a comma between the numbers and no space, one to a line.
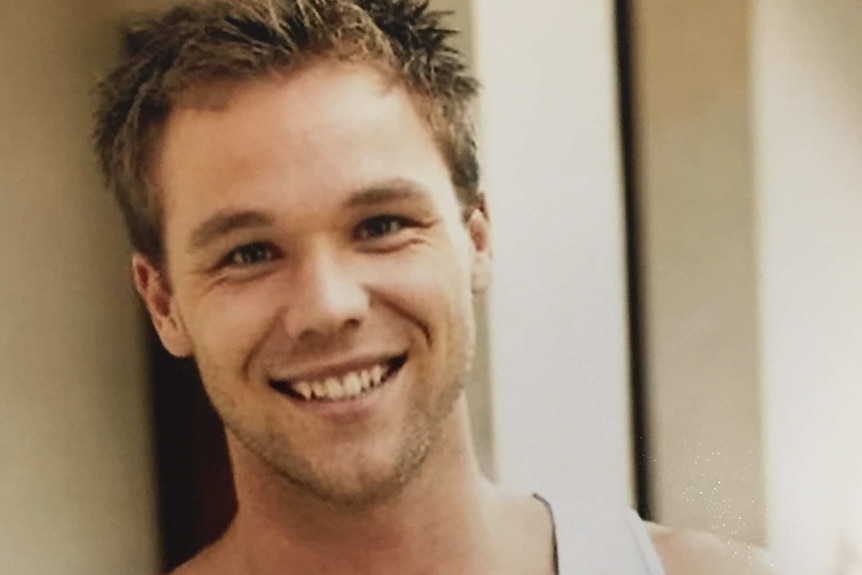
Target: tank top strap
(648,551)
(599,538)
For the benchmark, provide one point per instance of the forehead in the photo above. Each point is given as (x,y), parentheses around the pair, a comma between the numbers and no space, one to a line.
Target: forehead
(320,131)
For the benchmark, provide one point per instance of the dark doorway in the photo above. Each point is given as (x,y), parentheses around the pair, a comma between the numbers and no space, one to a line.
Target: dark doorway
(196,497)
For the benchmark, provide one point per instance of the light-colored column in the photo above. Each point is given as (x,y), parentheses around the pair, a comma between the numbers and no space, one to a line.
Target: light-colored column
(76,481)
(696,204)
(807,81)
(552,171)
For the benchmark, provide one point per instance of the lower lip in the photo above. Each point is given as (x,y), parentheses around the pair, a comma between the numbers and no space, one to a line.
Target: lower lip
(357,407)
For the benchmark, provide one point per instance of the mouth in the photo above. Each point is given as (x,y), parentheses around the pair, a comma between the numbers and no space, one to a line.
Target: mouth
(344,386)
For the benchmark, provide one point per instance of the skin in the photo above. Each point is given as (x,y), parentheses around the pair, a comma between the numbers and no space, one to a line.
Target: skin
(685,552)
(311,227)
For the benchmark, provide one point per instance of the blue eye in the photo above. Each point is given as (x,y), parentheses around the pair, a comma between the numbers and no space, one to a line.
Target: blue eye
(380,227)
(249,255)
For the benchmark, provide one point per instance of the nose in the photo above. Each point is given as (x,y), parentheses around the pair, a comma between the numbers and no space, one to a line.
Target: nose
(327,298)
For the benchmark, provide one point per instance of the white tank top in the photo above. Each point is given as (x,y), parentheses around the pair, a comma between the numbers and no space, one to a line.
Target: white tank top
(599,539)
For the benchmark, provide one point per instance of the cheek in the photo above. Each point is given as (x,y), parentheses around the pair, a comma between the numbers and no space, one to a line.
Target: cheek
(228,324)
(434,290)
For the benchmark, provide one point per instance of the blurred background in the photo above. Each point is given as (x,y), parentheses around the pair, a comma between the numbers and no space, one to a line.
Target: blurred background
(676,321)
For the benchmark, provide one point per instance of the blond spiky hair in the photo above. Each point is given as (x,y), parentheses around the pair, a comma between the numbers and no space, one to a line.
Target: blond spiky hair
(168,55)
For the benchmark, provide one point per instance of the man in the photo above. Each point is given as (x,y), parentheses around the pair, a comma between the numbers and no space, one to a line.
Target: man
(300,183)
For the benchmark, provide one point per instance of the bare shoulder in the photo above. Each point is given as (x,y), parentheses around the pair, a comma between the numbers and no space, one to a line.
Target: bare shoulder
(198,565)
(686,552)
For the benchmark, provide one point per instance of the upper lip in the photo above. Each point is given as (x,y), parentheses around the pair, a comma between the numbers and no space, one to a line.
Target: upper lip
(339,368)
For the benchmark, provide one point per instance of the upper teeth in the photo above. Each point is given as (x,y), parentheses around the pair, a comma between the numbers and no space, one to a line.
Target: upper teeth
(341,387)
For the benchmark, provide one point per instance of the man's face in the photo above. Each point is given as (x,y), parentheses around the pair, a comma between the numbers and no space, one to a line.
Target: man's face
(320,274)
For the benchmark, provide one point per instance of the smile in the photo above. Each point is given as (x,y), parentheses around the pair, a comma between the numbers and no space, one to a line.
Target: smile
(340,387)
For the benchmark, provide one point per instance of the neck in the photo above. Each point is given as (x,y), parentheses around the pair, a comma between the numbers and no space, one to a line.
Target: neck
(441,522)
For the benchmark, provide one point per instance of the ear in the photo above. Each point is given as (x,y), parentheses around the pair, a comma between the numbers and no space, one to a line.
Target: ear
(155,291)
(479,229)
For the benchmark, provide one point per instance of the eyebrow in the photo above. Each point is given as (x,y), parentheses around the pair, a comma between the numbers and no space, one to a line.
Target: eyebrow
(224,223)
(390,191)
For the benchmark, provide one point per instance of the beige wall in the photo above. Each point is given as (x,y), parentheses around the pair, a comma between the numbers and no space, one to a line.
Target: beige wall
(807,70)
(699,261)
(76,488)
(558,322)
(750,125)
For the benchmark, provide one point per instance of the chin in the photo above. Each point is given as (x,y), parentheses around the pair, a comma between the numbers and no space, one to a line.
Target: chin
(362,484)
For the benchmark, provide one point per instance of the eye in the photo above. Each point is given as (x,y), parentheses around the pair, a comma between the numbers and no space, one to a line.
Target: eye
(249,255)
(380,227)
